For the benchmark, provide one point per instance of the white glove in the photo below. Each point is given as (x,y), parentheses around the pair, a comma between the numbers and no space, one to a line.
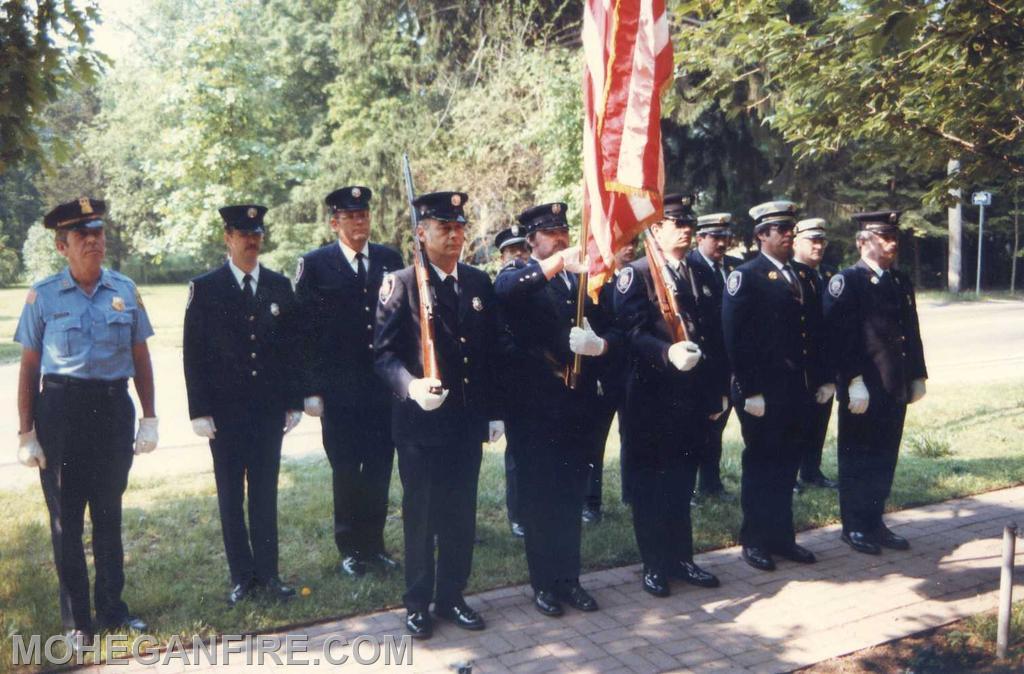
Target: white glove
(725,406)
(824,393)
(30,452)
(684,355)
(573,261)
(917,390)
(859,396)
(754,406)
(419,391)
(291,419)
(204,427)
(147,437)
(313,406)
(585,341)
(495,430)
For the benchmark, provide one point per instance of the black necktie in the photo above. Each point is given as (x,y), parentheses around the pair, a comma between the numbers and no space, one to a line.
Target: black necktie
(247,286)
(794,284)
(361,270)
(717,273)
(448,295)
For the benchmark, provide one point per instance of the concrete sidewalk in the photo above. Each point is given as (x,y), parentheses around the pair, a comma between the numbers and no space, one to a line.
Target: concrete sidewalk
(755,622)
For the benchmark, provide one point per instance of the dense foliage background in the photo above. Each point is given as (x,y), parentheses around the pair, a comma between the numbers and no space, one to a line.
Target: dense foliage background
(838,105)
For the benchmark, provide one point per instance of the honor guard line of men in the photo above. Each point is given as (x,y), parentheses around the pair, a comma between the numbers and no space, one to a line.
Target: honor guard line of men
(678,339)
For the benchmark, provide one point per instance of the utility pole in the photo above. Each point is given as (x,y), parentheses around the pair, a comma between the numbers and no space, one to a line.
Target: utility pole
(981,200)
(955,265)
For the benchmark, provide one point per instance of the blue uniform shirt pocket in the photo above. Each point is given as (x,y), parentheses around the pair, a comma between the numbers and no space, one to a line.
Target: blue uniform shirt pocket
(64,337)
(118,329)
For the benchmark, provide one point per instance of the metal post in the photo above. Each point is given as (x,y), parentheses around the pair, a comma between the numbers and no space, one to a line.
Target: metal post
(1006,589)
(981,234)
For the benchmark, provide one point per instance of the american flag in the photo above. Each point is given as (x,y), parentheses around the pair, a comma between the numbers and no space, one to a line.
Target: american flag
(628,62)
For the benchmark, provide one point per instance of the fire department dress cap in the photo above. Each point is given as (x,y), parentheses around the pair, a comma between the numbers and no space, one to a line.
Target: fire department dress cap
(82,213)
(244,217)
(350,198)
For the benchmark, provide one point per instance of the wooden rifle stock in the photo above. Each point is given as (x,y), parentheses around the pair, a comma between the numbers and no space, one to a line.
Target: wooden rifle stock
(428,352)
(664,288)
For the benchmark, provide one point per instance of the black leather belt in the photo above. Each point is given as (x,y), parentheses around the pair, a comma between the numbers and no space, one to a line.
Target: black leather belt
(105,386)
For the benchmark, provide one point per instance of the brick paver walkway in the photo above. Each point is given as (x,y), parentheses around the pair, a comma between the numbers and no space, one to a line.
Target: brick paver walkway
(756,622)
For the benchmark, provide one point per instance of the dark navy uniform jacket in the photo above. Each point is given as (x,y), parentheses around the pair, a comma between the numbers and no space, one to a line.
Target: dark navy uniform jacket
(771,332)
(237,358)
(339,315)
(539,314)
(873,331)
(467,346)
(711,288)
(661,401)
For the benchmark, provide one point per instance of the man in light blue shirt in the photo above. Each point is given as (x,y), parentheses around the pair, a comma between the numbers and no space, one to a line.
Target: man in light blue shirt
(84,331)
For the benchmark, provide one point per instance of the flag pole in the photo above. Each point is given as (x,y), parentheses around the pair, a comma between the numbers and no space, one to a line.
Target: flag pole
(572,373)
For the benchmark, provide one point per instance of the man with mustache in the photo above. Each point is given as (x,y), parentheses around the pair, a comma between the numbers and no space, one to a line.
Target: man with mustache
(84,330)
(768,325)
(809,244)
(875,340)
(244,382)
(439,424)
(337,287)
(538,300)
(711,267)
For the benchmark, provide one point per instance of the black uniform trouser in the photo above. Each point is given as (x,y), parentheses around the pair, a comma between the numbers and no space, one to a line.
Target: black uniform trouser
(359,448)
(711,454)
(869,446)
(514,437)
(770,462)
(86,432)
(247,453)
(439,488)
(553,478)
(601,423)
(812,440)
(661,508)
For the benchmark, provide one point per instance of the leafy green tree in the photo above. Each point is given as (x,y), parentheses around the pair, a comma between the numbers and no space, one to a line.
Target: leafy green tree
(46,50)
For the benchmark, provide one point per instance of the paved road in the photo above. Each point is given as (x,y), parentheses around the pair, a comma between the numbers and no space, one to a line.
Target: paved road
(964,342)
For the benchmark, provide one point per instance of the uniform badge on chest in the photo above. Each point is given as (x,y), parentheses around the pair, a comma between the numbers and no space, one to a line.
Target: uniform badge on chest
(773,276)
(478,304)
(707,291)
(874,280)
(117,304)
(274,309)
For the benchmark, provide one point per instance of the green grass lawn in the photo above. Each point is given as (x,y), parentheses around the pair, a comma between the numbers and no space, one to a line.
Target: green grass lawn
(959,441)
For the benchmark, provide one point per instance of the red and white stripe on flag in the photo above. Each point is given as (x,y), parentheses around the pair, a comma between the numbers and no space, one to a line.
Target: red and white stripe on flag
(628,62)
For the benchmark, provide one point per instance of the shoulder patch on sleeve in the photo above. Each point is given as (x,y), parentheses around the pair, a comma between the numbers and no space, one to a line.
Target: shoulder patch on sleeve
(298,269)
(31,297)
(734,282)
(837,285)
(625,280)
(387,288)
(191,294)
(138,299)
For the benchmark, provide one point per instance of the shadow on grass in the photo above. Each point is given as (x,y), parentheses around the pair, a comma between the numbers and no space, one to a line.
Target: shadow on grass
(177,573)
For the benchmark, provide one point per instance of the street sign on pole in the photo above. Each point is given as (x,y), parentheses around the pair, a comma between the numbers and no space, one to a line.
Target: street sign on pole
(981,200)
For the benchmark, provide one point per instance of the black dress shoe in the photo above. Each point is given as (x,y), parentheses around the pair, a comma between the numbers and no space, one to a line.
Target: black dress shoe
(382,561)
(861,542)
(759,558)
(125,624)
(819,481)
(654,582)
(352,566)
(798,554)
(241,591)
(517,529)
(591,516)
(419,625)
(77,640)
(887,539)
(547,603)
(460,614)
(275,589)
(694,575)
(578,598)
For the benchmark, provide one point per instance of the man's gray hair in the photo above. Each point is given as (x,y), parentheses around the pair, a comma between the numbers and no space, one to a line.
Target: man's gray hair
(863,236)
(60,236)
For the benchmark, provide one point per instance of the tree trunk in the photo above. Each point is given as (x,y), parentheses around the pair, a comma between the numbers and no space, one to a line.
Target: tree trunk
(1016,241)
(955,266)
(917,261)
